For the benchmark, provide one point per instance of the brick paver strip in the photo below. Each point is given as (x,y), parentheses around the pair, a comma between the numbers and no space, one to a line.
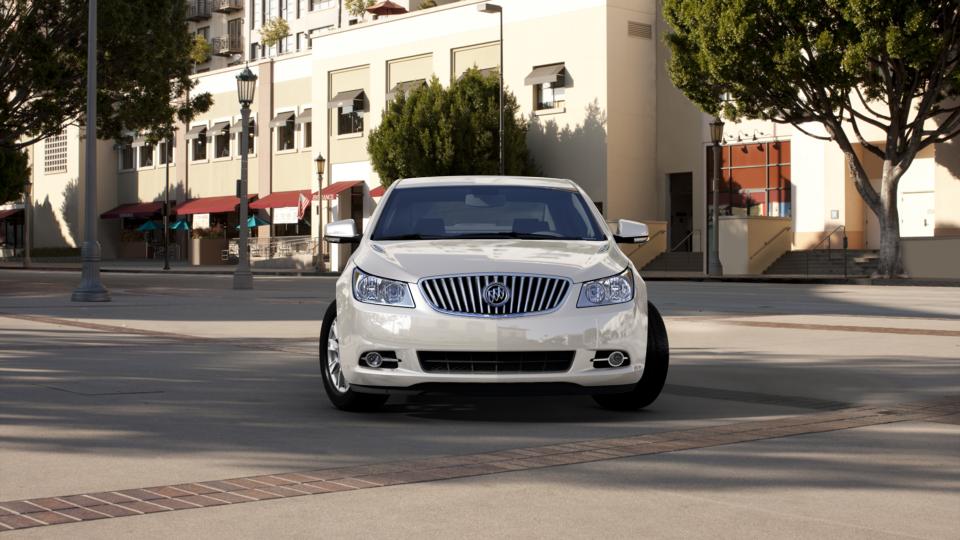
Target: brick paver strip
(131,502)
(847,328)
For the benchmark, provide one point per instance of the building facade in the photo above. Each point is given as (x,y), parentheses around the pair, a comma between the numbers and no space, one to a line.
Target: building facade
(590,79)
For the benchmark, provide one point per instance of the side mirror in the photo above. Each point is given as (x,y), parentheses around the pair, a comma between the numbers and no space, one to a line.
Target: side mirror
(632,232)
(341,232)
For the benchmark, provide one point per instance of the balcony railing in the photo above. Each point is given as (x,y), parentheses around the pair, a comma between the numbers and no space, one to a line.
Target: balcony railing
(227,45)
(227,6)
(198,10)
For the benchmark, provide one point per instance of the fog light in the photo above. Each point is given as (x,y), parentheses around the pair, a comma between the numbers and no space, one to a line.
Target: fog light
(373,359)
(616,359)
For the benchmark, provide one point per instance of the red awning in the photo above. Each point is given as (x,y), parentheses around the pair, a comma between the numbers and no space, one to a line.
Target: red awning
(210,205)
(378,191)
(4,214)
(139,210)
(330,192)
(281,199)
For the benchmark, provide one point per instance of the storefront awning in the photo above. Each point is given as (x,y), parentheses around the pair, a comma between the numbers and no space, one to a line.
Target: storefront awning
(140,140)
(138,210)
(405,87)
(238,125)
(281,199)
(330,192)
(220,127)
(281,119)
(305,117)
(210,205)
(350,98)
(378,191)
(545,74)
(6,214)
(195,131)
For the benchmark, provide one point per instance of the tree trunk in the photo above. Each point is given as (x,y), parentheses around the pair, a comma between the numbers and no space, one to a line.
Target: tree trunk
(891,265)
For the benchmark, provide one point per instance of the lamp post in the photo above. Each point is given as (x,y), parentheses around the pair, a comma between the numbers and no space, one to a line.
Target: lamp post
(494,8)
(90,288)
(714,267)
(166,204)
(246,86)
(321,163)
(27,207)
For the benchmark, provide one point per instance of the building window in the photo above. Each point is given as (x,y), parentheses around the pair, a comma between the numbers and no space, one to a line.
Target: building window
(126,157)
(199,146)
(165,154)
(321,4)
(548,86)
(55,154)
(755,179)
(251,133)
(349,120)
(221,143)
(299,41)
(204,31)
(285,134)
(146,156)
(307,134)
(254,50)
(549,96)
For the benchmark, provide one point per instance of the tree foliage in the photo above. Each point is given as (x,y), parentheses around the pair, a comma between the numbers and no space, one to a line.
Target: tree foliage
(358,8)
(437,131)
(14,173)
(273,31)
(201,50)
(881,74)
(143,75)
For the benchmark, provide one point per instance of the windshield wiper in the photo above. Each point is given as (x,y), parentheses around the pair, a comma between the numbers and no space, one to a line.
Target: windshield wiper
(410,237)
(509,234)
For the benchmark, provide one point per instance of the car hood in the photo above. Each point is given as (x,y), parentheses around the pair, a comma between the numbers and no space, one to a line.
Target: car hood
(412,260)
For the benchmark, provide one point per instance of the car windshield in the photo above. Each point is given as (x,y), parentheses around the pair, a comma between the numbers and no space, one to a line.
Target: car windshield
(482,212)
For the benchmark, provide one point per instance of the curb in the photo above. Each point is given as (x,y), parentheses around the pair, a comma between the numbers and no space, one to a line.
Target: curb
(282,273)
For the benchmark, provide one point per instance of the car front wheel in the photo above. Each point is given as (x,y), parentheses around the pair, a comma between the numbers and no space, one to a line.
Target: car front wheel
(336,385)
(650,385)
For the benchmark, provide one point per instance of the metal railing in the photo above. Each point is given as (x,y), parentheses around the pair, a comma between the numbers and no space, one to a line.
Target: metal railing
(829,241)
(768,242)
(198,10)
(274,247)
(227,45)
(226,6)
(688,239)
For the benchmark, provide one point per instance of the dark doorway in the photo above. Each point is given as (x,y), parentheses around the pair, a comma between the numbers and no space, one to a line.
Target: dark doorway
(681,211)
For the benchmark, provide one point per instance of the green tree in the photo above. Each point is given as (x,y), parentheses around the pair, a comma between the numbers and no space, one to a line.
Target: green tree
(888,66)
(358,8)
(437,131)
(273,31)
(201,50)
(143,73)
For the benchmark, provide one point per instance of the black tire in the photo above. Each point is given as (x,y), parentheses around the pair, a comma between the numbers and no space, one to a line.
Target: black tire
(650,385)
(346,400)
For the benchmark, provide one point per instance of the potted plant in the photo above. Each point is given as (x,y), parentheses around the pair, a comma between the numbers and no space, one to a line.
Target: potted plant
(207,245)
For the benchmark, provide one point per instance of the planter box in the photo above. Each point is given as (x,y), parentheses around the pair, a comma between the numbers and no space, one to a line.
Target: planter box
(204,251)
(132,250)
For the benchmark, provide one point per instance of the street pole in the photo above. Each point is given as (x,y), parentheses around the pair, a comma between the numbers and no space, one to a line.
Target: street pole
(242,276)
(166,206)
(90,288)
(714,266)
(27,207)
(502,165)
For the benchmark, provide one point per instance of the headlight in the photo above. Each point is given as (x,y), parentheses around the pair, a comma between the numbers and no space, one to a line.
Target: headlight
(604,292)
(385,292)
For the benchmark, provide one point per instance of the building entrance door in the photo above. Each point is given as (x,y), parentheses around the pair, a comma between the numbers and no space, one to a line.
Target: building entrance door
(681,211)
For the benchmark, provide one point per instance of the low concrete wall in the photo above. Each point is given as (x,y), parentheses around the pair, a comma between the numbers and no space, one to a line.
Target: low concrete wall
(300,261)
(933,258)
(642,255)
(750,244)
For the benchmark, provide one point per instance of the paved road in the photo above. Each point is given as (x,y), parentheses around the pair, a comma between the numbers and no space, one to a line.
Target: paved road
(181,379)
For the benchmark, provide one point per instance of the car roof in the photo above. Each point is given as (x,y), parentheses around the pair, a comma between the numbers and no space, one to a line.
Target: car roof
(526,181)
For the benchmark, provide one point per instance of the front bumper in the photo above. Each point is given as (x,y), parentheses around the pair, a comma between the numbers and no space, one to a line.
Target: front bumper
(405,331)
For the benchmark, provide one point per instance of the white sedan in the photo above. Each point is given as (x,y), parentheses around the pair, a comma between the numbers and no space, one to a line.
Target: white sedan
(490,284)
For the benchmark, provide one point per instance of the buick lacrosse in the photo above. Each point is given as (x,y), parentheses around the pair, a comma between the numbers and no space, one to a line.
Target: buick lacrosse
(477,284)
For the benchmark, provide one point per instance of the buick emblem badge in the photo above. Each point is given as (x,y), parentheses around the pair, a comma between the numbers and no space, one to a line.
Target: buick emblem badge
(496,294)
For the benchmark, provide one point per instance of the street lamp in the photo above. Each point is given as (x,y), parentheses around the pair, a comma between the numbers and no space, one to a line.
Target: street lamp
(246,86)
(90,288)
(166,202)
(714,267)
(27,207)
(321,163)
(494,8)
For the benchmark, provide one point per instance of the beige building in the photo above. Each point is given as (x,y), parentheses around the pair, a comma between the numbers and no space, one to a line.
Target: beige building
(590,79)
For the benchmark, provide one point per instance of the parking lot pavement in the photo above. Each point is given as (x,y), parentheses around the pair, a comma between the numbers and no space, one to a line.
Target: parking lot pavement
(181,380)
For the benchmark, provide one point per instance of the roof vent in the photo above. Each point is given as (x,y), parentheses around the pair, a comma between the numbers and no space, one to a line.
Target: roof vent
(639,30)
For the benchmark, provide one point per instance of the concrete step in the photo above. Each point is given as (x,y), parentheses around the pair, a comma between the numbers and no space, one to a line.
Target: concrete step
(678,261)
(825,262)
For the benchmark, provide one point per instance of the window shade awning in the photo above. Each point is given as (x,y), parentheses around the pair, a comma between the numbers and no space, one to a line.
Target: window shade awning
(333,190)
(238,125)
(138,210)
(378,191)
(210,205)
(140,140)
(195,131)
(545,74)
(281,199)
(344,99)
(405,87)
(220,127)
(305,117)
(5,214)
(281,119)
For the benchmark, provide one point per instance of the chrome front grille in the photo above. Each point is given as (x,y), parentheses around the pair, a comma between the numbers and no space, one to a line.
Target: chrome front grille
(481,295)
